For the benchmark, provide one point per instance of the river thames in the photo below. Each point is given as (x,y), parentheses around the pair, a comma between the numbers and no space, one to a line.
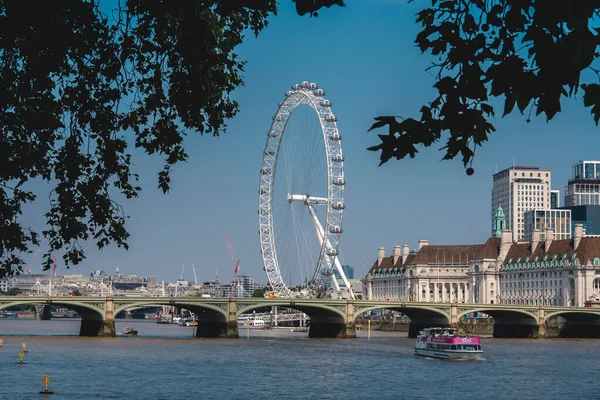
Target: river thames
(166,362)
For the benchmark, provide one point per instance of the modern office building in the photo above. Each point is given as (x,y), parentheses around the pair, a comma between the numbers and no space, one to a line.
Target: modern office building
(247,283)
(348,271)
(584,186)
(554,199)
(588,216)
(559,221)
(516,190)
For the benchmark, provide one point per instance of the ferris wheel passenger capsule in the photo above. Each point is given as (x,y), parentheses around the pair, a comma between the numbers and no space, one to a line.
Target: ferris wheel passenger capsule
(289,93)
(296,87)
(325,103)
(305,84)
(331,252)
(338,181)
(269,152)
(334,136)
(273,134)
(277,118)
(266,171)
(337,158)
(313,86)
(331,118)
(335,229)
(319,92)
(338,205)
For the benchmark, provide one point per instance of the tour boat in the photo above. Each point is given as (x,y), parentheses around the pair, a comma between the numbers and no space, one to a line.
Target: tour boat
(447,343)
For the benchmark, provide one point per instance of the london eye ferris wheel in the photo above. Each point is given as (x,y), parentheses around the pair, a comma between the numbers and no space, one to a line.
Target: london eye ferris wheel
(303,156)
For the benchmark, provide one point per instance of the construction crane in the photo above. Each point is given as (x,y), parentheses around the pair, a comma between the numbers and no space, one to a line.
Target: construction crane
(195,277)
(236,264)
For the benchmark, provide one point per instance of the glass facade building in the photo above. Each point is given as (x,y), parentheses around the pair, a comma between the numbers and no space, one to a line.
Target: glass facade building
(555,199)
(584,187)
(348,271)
(588,216)
(557,220)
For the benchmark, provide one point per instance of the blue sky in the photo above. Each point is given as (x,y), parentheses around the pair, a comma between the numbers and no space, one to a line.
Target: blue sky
(364,57)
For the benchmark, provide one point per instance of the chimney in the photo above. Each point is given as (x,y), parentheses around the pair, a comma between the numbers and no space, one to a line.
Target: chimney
(578,235)
(505,243)
(423,242)
(380,256)
(535,239)
(549,239)
(405,252)
(396,254)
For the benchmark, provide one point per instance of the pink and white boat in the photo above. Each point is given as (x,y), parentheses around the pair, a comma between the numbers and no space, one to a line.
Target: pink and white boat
(447,343)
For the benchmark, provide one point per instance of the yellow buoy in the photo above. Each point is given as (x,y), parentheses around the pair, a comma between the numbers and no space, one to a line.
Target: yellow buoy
(24,347)
(21,355)
(1,342)
(46,382)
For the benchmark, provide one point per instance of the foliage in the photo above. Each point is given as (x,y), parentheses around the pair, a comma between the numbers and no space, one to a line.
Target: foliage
(260,292)
(529,54)
(13,292)
(76,292)
(311,7)
(79,87)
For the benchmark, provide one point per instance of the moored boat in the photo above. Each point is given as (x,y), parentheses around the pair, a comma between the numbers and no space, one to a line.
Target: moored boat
(447,343)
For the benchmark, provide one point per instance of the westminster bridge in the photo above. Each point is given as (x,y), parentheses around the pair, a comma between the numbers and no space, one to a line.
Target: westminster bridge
(217,317)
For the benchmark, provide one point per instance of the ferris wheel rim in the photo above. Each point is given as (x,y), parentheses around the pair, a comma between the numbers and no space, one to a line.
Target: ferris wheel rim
(302,94)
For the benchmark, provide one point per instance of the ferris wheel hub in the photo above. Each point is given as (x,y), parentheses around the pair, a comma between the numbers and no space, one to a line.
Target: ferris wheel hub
(307,199)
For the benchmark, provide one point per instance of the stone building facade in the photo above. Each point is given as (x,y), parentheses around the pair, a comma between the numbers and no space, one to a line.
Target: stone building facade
(562,272)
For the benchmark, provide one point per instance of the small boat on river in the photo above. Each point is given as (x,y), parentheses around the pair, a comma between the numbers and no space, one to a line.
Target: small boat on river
(447,343)
(130,331)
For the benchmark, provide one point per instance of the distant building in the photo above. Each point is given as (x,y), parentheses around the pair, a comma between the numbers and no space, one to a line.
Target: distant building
(348,271)
(97,273)
(588,216)
(584,186)
(555,199)
(3,285)
(151,281)
(559,221)
(518,189)
(248,285)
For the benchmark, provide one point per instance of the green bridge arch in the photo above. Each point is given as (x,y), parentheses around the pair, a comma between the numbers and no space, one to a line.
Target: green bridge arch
(491,311)
(404,308)
(296,305)
(74,305)
(189,305)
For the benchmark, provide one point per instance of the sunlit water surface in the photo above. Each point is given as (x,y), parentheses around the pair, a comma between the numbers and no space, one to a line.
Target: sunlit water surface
(166,362)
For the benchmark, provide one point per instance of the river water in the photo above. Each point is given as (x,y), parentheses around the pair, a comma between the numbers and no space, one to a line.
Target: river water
(166,362)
